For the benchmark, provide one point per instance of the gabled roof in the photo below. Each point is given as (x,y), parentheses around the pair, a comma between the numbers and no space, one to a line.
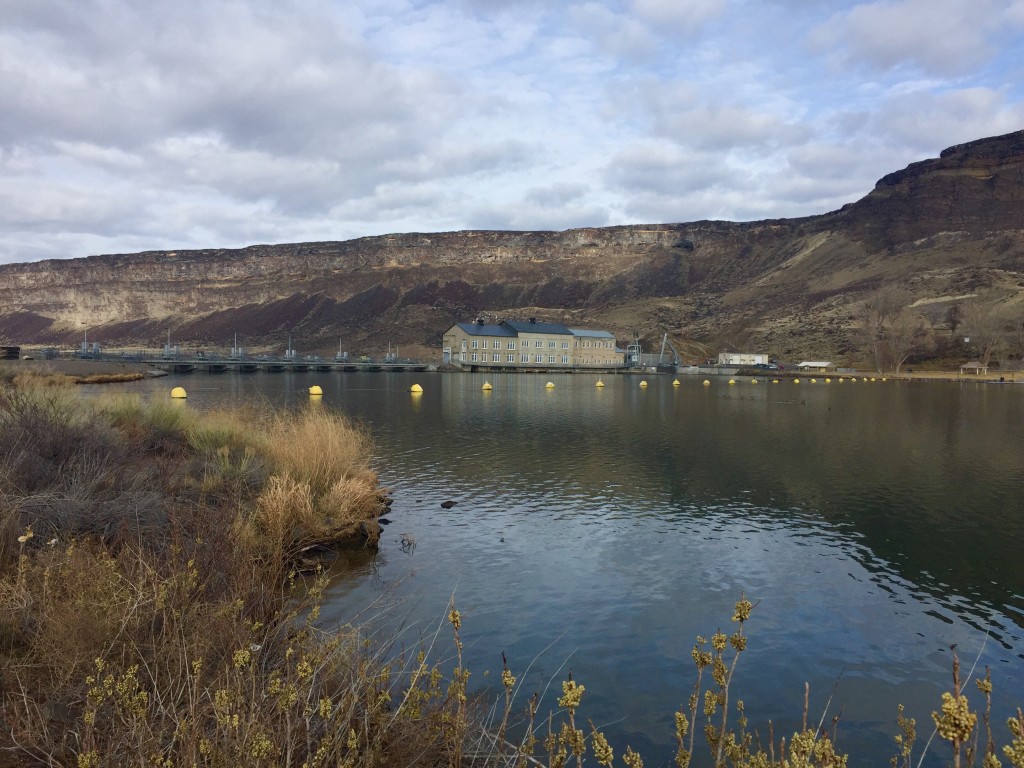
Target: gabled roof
(525,326)
(592,334)
(477,329)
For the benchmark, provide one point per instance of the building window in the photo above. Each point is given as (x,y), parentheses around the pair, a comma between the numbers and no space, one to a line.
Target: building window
(538,343)
(496,344)
(511,345)
(538,358)
(565,345)
(551,358)
(510,358)
(565,359)
(551,345)
(524,358)
(464,344)
(473,357)
(587,345)
(475,344)
(496,357)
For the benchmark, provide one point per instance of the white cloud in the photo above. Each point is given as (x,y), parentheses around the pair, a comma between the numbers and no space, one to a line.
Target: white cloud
(1015,13)
(924,120)
(103,157)
(615,33)
(942,37)
(127,126)
(674,16)
(531,215)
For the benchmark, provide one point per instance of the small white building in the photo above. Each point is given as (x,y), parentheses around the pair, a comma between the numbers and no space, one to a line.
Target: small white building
(742,358)
(816,365)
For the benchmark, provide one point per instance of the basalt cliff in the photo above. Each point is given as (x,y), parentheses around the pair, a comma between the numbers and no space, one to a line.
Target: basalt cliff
(944,230)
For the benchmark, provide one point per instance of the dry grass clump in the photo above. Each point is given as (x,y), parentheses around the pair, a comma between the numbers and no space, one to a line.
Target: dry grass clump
(319,449)
(322,490)
(42,376)
(47,376)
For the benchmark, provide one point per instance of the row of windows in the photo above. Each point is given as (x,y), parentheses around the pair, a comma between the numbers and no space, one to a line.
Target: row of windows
(538,344)
(524,344)
(477,357)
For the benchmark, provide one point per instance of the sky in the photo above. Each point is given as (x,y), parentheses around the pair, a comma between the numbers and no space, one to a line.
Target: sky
(172,124)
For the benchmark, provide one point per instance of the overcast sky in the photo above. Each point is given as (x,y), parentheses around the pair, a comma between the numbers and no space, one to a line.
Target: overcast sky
(128,126)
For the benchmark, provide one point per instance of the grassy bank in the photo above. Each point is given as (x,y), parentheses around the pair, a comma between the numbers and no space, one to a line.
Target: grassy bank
(61,375)
(152,606)
(159,603)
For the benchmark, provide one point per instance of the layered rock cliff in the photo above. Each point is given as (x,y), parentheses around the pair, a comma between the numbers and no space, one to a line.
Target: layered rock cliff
(941,228)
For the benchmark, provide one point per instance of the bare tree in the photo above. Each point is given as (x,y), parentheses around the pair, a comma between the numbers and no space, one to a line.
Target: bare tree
(903,337)
(1018,331)
(982,324)
(877,318)
(871,323)
(954,316)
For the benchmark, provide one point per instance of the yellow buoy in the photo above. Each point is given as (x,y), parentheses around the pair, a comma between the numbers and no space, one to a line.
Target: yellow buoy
(814,381)
(179,393)
(315,390)
(643,383)
(840,379)
(707,383)
(675,382)
(828,381)
(753,381)
(883,378)
(775,381)
(872,378)
(599,383)
(487,386)
(416,388)
(732,381)
(549,385)
(796,381)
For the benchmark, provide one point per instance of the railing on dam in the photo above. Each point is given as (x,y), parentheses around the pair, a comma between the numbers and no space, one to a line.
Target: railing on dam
(183,363)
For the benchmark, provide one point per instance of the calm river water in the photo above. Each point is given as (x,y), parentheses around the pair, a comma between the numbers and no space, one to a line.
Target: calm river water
(874,524)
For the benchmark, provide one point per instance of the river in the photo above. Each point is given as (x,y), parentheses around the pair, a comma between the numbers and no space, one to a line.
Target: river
(874,524)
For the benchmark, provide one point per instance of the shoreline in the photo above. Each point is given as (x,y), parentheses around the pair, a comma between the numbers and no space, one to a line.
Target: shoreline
(87,368)
(76,368)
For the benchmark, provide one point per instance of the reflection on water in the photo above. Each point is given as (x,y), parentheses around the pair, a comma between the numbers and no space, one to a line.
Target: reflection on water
(602,529)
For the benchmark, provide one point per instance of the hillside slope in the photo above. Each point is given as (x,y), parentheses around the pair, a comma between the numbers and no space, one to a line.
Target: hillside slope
(942,229)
